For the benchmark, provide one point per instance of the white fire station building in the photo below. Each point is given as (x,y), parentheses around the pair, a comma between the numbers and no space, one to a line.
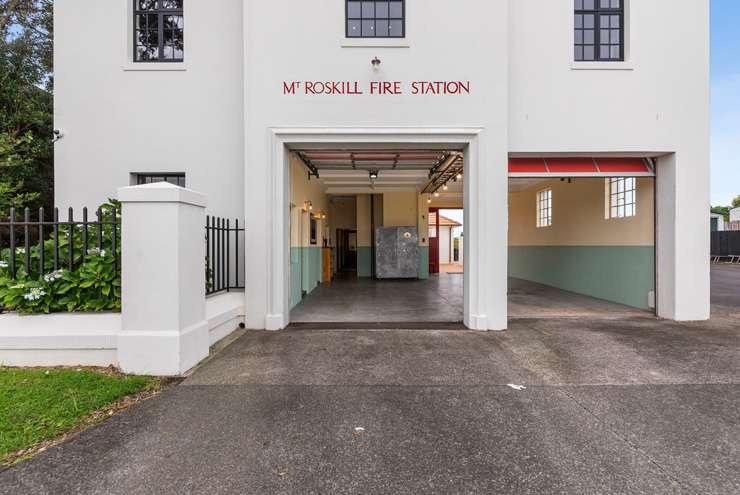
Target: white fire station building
(573,134)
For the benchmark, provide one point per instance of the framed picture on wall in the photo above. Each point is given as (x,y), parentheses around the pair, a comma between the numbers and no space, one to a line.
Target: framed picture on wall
(313,231)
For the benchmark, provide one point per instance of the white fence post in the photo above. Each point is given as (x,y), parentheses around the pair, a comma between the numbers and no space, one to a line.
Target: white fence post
(164,329)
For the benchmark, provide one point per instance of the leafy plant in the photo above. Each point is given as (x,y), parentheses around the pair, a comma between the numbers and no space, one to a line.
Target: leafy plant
(94,283)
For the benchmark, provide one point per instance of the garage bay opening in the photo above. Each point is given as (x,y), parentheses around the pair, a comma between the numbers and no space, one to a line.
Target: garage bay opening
(376,235)
(581,237)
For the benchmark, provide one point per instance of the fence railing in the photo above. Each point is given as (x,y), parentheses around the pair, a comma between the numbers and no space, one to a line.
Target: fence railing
(224,255)
(34,247)
(726,246)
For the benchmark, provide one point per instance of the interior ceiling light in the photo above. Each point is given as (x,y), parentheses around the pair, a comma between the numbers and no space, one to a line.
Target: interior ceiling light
(445,187)
(436,194)
(429,200)
(459,176)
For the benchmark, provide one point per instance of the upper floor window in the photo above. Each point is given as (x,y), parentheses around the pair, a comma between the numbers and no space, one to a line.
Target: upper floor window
(544,208)
(599,30)
(158,31)
(622,197)
(376,19)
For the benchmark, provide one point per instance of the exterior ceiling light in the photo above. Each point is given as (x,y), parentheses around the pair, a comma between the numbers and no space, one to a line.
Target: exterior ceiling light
(373,174)
(376,63)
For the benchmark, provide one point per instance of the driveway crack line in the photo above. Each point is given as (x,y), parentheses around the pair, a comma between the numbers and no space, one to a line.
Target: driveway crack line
(634,447)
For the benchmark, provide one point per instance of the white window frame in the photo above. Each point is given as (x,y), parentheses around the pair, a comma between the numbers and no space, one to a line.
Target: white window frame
(621,197)
(544,208)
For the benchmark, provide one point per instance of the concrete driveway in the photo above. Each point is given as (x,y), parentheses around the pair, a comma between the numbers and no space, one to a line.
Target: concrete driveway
(631,405)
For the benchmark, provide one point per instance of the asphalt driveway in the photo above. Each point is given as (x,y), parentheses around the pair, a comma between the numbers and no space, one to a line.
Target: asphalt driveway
(611,406)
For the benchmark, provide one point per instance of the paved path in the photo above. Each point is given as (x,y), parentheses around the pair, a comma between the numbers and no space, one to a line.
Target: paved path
(623,406)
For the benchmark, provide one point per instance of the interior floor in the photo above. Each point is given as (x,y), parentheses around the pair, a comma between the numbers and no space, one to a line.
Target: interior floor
(348,299)
(532,300)
(439,299)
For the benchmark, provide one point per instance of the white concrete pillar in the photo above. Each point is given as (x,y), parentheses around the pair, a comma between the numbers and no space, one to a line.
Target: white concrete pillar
(164,329)
(682,236)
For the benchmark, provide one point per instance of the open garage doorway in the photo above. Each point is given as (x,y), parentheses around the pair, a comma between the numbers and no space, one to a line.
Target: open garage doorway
(360,227)
(581,237)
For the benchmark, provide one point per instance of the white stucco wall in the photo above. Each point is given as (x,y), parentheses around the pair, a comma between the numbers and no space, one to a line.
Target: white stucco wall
(117,121)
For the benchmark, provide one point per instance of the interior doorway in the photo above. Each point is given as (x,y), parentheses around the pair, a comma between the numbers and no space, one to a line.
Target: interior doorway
(446,240)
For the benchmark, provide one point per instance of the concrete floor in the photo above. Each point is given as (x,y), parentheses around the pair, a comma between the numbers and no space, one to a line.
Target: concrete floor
(726,290)
(348,299)
(632,405)
(439,299)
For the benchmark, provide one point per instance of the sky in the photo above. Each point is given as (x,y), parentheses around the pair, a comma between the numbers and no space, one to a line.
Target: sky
(725,84)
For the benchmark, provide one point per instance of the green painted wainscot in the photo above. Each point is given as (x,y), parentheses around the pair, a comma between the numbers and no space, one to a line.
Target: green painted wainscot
(622,274)
(310,259)
(364,261)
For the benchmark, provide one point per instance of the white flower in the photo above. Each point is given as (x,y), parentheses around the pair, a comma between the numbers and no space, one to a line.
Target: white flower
(20,250)
(3,264)
(96,252)
(53,276)
(34,294)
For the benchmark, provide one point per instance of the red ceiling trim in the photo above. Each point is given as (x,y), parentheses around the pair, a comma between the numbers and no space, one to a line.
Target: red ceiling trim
(578,165)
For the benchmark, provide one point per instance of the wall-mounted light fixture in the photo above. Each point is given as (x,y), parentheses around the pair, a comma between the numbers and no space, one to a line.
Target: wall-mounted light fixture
(376,63)
(307,206)
(373,174)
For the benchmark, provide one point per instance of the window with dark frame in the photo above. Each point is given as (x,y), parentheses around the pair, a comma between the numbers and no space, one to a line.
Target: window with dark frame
(375,19)
(599,30)
(176,179)
(158,31)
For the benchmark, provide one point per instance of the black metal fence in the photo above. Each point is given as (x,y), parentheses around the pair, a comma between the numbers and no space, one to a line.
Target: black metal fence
(224,255)
(725,245)
(34,246)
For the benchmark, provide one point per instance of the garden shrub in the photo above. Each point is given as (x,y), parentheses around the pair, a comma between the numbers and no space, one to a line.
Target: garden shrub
(93,285)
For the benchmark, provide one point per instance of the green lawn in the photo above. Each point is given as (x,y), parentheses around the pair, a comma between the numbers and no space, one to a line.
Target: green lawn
(39,404)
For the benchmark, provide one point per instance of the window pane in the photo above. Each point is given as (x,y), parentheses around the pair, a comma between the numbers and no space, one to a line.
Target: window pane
(368,10)
(172,4)
(396,29)
(146,4)
(368,28)
(588,53)
(396,9)
(354,10)
(354,29)
(381,27)
(381,10)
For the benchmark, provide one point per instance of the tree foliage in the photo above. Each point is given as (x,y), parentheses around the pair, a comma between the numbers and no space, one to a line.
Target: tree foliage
(26,103)
(725,210)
